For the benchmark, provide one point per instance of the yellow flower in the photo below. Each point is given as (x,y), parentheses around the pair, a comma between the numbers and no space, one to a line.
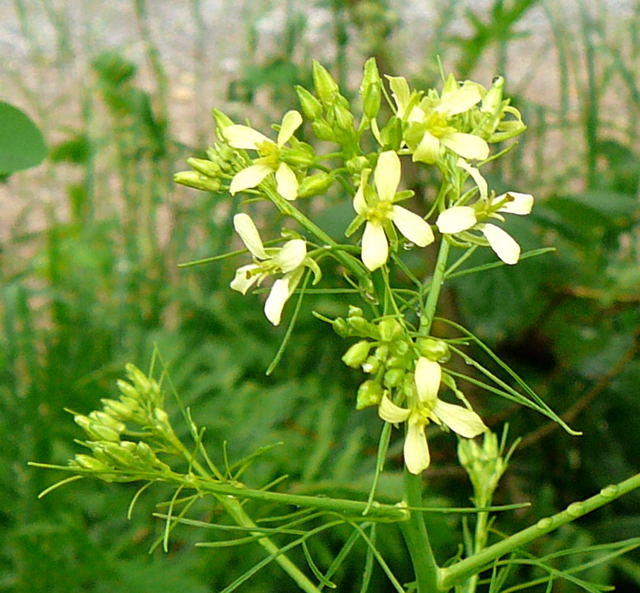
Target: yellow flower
(463,218)
(430,130)
(269,161)
(379,211)
(288,260)
(428,407)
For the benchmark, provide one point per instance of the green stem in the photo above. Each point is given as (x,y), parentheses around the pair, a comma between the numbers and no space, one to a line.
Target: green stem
(287,208)
(456,573)
(350,507)
(415,531)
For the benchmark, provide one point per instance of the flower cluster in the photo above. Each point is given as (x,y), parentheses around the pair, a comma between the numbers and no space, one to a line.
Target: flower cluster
(406,371)
(452,130)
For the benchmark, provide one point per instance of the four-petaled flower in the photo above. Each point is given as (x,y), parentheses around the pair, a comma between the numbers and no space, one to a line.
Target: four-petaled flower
(429,127)
(288,260)
(269,160)
(463,218)
(378,209)
(428,407)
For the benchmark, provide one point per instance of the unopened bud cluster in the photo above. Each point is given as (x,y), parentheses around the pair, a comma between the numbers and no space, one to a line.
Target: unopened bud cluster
(137,411)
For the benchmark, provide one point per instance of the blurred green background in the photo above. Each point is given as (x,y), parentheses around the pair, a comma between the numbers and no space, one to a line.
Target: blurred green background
(92,237)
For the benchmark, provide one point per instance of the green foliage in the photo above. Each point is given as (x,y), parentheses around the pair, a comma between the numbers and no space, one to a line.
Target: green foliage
(21,142)
(84,295)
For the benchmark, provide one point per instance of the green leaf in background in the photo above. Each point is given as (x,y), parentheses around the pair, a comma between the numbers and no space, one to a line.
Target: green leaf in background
(21,142)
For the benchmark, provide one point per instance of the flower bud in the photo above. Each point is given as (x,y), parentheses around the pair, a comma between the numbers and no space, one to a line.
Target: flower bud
(382,352)
(302,155)
(197,181)
(107,420)
(393,378)
(341,327)
(361,327)
(399,347)
(399,362)
(409,386)
(120,457)
(311,107)
(389,329)
(100,432)
(356,354)
(326,87)
(161,420)
(314,185)
(370,89)
(433,349)
(222,121)
(371,365)
(204,166)
(344,118)
(128,389)
(89,463)
(117,409)
(391,134)
(369,394)
(357,164)
(355,311)
(492,101)
(323,130)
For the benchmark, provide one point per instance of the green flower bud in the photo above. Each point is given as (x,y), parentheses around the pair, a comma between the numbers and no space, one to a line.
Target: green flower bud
(314,185)
(100,432)
(326,87)
(369,394)
(370,89)
(391,134)
(433,349)
(119,456)
(389,329)
(382,352)
(161,420)
(398,362)
(393,378)
(361,327)
(355,311)
(311,107)
(302,155)
(197,181)
(83,422)
(344,118)
(371,365)
(323,130)
(89,463)
(356,354)
(117,409)
(341,327)
(107,420)
(399,347)
(357,164)
(492,101)
(204,166)
(409,386)
(221,120)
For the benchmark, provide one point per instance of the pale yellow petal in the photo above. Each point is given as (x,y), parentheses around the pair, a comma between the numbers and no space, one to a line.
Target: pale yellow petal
(461,420)
(375,249)
(387,175)
(427,377)
(249,177)
(428,151)
(416,450)
(359,203)
(477,177)
(518,204)
(502,243)
(456,219)
(286,182)
(244,278)
(281,290)
(390,412)
(400,92)
(413,227)
(290,123)
(467,146)
(249,234)
(291,255)
(461,99)
(245,137)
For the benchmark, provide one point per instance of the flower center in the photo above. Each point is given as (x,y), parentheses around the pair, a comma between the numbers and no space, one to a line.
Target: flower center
(436,124)
(269,153)
(379,212)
